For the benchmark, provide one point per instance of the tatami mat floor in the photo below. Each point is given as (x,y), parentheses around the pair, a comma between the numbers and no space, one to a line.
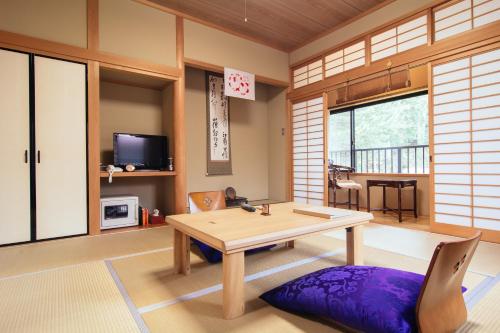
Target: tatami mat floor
(65,285)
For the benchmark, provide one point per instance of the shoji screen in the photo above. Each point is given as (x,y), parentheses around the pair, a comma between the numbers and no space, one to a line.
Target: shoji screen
(466,126)
(308,152)
(345,59)
(308,74)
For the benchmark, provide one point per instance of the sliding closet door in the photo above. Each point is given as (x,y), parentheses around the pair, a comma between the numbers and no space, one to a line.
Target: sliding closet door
(14,148)
(308,152)
(466,143)
(61,166)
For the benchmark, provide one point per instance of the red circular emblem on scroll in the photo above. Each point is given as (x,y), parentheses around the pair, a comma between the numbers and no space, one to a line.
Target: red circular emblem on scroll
(239,84)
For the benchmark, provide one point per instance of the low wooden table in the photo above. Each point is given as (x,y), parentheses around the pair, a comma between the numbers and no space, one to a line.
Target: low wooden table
(232,231)
(399,184)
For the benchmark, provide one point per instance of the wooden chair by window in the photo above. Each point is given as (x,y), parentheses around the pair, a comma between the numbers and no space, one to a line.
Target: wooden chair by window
(338,179)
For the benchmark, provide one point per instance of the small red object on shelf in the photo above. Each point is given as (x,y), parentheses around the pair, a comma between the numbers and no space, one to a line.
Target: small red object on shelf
(158,219)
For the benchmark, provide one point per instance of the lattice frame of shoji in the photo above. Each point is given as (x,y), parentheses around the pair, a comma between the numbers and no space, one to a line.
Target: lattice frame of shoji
(308,74)
(345,59)
(464,15)
(466,141)
(308,152)
(401,38)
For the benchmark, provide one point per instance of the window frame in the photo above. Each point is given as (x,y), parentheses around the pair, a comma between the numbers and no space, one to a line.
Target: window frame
(351,109)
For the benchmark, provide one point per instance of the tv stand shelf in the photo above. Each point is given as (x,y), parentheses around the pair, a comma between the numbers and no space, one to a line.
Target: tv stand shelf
(104,174)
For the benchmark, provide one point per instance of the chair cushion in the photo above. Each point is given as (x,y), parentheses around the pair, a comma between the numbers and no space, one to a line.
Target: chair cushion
(214,256)
(366,298)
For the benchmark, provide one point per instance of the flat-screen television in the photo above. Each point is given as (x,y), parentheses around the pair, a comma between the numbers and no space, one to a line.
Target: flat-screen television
(142,151)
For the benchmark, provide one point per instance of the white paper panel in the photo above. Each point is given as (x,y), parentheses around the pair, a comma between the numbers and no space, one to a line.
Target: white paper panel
(302,194)
(485,124)
(384,45)
(491,213)
(486,157)
(452,148)
(354,47)
(301,168)
(316,168)
(315,142)
(315,64)
(421,31)
(450,10)
(486,135)
(422,40)
(300,175)
(454,30)
(316,182)
(298,187)
(335,55)
(486,146)
(384,53)
(452,107)
(485,79)
(455,137)
(451,179)
(315,71)
(313,188)
(333,71)
(452,199)
(450,66)
(299,130)
(488,18)
(455,220)
(354,56)
(487,168)
(486,57)
(300,156)
(487,202)
(486,113)
(478,2)
(487,90)
(301,181)
(315,148)
(300,84)
(459,74)
(448,128)
(451,86)
(487,190)
(297,106)
(315,202)
(334,63)
(300,149)
(314,107)
(452,189)
(299,124)
(315,121)
(452,168)
(315,155)
(453,20)
(451,117)
(316,78)
(299,162)
(315,135)
(452,97)
(315,101)
(487,224)
(299,137)
(412,24)
(486,7)
(354,64)
(452,209)
(315,162)
(314,195)
(380,37)
(300,70)
(300,200)
(487,179)
(486,68)
(452,158)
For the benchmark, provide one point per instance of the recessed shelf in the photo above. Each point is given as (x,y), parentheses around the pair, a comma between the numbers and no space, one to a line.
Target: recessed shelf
(105,174)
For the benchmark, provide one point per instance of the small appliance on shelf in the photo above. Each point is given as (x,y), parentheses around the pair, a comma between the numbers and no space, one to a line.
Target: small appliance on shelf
(140,152)
(119,211)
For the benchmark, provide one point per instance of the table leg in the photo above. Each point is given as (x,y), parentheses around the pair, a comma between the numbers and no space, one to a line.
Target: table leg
(399,204)
(182,251)
(415,200)
(368,198)
(383,199)
(233,284)
(349,201)
(357,200)
(290,244)
(354,243)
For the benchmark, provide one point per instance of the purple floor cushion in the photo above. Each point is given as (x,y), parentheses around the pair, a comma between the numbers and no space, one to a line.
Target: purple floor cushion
(370,299)
(214,256)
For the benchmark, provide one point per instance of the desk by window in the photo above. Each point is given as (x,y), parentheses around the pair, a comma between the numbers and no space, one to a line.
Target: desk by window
(399,184)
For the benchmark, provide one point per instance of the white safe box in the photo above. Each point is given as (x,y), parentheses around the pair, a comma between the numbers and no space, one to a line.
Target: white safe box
(119,211)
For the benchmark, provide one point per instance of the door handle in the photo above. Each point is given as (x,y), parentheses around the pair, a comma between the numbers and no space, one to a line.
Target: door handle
(26,156)
(38,156)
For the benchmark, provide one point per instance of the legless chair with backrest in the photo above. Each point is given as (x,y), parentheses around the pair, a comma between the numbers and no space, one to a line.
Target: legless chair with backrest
(441,306)
(206,201)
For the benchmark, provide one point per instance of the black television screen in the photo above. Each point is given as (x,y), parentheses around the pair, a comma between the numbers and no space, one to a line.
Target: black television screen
(142,151)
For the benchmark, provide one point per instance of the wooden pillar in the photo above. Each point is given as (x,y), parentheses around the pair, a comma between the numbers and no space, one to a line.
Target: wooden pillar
(93,25)
(93,149)
(179,127)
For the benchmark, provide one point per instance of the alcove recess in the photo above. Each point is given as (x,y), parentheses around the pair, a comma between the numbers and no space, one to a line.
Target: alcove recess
(136,102)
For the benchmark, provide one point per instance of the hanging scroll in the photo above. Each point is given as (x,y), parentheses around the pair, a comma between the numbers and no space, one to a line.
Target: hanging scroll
(218,138)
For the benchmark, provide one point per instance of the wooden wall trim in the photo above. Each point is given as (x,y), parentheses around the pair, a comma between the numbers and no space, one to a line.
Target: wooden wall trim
(37,45)
(219,69)
(93,24)
(93,148)
(180,180)
(479,37)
